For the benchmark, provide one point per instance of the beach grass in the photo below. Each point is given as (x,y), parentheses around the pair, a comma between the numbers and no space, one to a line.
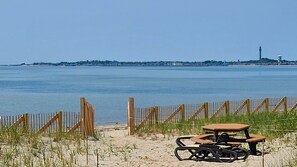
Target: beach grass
(66,149)
(32,149)
(57,149)
(270,124)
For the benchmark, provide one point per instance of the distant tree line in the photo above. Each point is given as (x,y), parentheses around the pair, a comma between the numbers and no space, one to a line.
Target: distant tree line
(263,61)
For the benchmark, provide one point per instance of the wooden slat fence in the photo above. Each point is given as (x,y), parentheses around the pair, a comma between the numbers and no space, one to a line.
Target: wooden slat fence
(150,117)
(87,118)
(82,121)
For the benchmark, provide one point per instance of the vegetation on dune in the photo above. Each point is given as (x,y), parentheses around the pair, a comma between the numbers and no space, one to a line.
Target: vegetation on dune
(65,149)
(270,124)
(57,149)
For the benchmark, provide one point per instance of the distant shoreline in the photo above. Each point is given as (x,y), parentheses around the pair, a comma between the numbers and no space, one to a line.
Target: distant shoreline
(262,62)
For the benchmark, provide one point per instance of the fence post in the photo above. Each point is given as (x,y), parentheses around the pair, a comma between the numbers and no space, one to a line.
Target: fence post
(60,122)
(227,107)
(26,123)
(92,121)
(156,114)
(182,113)
(206,110)
(248,106)
(151,118)
(285,104)
(131,116)
(87,119)
(267,104)
(82,116)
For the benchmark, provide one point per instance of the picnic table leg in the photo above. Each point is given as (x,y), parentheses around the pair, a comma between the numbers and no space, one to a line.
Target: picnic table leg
(216,135)
(253,148)
(252,145)
(246,133)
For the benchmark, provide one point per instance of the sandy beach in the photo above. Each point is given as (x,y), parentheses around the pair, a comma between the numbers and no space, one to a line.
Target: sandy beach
(119,149)
(113,147)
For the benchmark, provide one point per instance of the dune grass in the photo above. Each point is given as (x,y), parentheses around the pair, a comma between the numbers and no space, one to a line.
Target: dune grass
(57,149)
(32,149)
(64,149)
(270,124)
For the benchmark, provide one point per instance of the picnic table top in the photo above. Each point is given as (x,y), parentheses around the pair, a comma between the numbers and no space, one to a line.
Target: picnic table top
(226,127)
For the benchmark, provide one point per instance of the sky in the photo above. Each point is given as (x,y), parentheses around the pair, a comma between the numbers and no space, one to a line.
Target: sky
(146,30)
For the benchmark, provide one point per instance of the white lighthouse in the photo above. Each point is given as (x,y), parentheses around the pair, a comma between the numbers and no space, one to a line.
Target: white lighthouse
(279,59)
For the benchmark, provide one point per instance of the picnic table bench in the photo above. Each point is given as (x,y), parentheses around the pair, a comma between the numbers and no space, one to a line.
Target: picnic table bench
(205,148)
(251,139)
(255,138)
(207,139)
(220,143)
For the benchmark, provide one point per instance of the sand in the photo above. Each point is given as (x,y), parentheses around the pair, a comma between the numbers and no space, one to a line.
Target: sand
(119,149)
(113,147)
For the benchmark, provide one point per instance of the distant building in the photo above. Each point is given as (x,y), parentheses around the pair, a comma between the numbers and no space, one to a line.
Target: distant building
(279,59)
(260,53)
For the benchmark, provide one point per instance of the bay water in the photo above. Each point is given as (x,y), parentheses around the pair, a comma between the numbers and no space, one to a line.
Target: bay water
(47,89)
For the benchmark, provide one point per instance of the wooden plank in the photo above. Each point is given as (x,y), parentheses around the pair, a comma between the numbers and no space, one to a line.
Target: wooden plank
(91,121)
(256,138)
(248,106)
(131,126)
(156,115)
(227,107)
(294,107)
(50,122)
(74,127)
(18,121)
(82,115)
(285,104)
(197,112)
(86,119)
(219,110)
(147,118)
(26,123)
(173,114)
(282,101)
(241,107)
(261,105)
(267,104)
(60,127)
(206,110)
(201,139)
(182,113)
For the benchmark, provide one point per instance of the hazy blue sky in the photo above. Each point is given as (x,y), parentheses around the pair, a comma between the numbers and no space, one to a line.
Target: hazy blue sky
(146,30)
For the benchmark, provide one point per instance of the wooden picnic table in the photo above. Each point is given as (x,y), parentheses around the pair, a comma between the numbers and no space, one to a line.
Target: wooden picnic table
(234,127)
(252,140)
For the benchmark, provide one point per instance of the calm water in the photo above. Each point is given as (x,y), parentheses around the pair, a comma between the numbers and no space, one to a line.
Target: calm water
(51,89)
